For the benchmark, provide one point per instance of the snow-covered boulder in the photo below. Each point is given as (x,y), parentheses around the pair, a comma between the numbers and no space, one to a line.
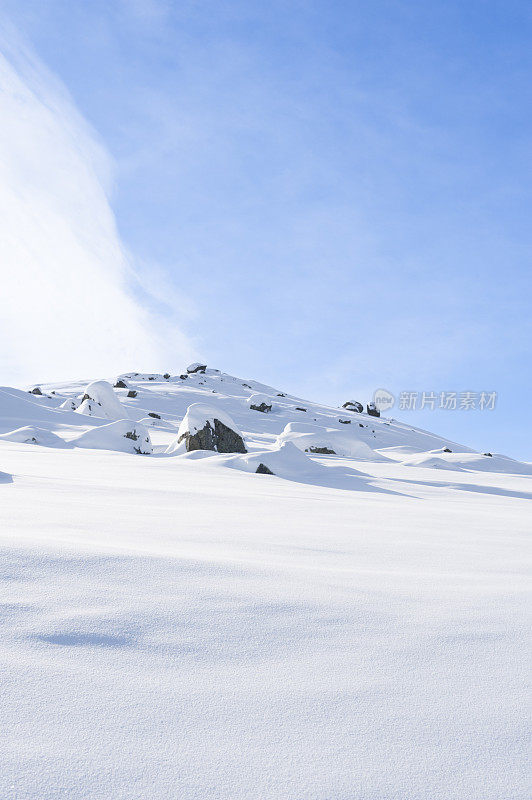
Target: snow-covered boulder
(373,411)
(321,440)
(30,434)
(353,405)
(100,400)
(71,404)
(207,428)
(259,402)
(285,461)
(123,435)
(196,367)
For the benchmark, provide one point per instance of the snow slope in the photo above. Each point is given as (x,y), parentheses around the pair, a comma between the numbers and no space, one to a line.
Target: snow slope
(175,626)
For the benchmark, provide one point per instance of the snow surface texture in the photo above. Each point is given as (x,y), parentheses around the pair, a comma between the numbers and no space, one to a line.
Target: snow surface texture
(174,625)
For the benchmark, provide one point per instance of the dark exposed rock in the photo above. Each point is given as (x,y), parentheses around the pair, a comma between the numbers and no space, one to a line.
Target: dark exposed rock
(183,377)
(154,415)
(131,435)
(264,407)
(489,454)
(281,394)
(246,385)
(120,385)
(345,421)
(132,393)
(221,438)
(166,376)
(151,378)
(298,408)
(36,390)
(262,469)
(360,425)
(353,405)
(321,451)
(373,411)
(447,450)
(192,368)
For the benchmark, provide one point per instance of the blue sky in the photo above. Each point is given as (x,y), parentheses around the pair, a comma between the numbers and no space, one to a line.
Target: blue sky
(328,196)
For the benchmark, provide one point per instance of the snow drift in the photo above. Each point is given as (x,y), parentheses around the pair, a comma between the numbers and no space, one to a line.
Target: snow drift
(124,435)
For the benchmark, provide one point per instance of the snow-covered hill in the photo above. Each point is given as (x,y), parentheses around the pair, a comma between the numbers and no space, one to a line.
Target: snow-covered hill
(176,625)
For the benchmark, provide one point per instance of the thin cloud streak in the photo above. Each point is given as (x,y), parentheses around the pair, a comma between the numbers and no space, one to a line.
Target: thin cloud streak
(71,305)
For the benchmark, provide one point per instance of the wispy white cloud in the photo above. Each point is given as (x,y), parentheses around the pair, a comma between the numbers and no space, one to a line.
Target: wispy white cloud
(71,303)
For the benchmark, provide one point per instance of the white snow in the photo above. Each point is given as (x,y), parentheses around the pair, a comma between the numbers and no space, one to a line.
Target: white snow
(352,627)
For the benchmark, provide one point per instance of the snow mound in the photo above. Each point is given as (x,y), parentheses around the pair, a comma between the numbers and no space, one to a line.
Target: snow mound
(433,461)
(468,461)
(29,434)
(315,438)
(286,461)
(71,403)
(100,400)
(123,435)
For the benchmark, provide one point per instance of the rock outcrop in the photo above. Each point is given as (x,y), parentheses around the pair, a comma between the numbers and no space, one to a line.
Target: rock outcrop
(260,402)
(196,367)
(208,428)
(373,411)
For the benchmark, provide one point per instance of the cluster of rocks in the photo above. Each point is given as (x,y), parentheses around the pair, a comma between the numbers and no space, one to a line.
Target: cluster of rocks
(358,408)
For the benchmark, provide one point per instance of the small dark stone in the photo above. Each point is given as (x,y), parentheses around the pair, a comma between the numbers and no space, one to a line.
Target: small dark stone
(151,378)
(85,397)
(35,391)
(120,385)
(262,469)
(298,408)
(131,435)
(345,421)
(132,393)
(246,385)
(489,454)
(360,425)
(322,451)
(154,415)
(183,377)
(447,450)
(281,394)
(166,376)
